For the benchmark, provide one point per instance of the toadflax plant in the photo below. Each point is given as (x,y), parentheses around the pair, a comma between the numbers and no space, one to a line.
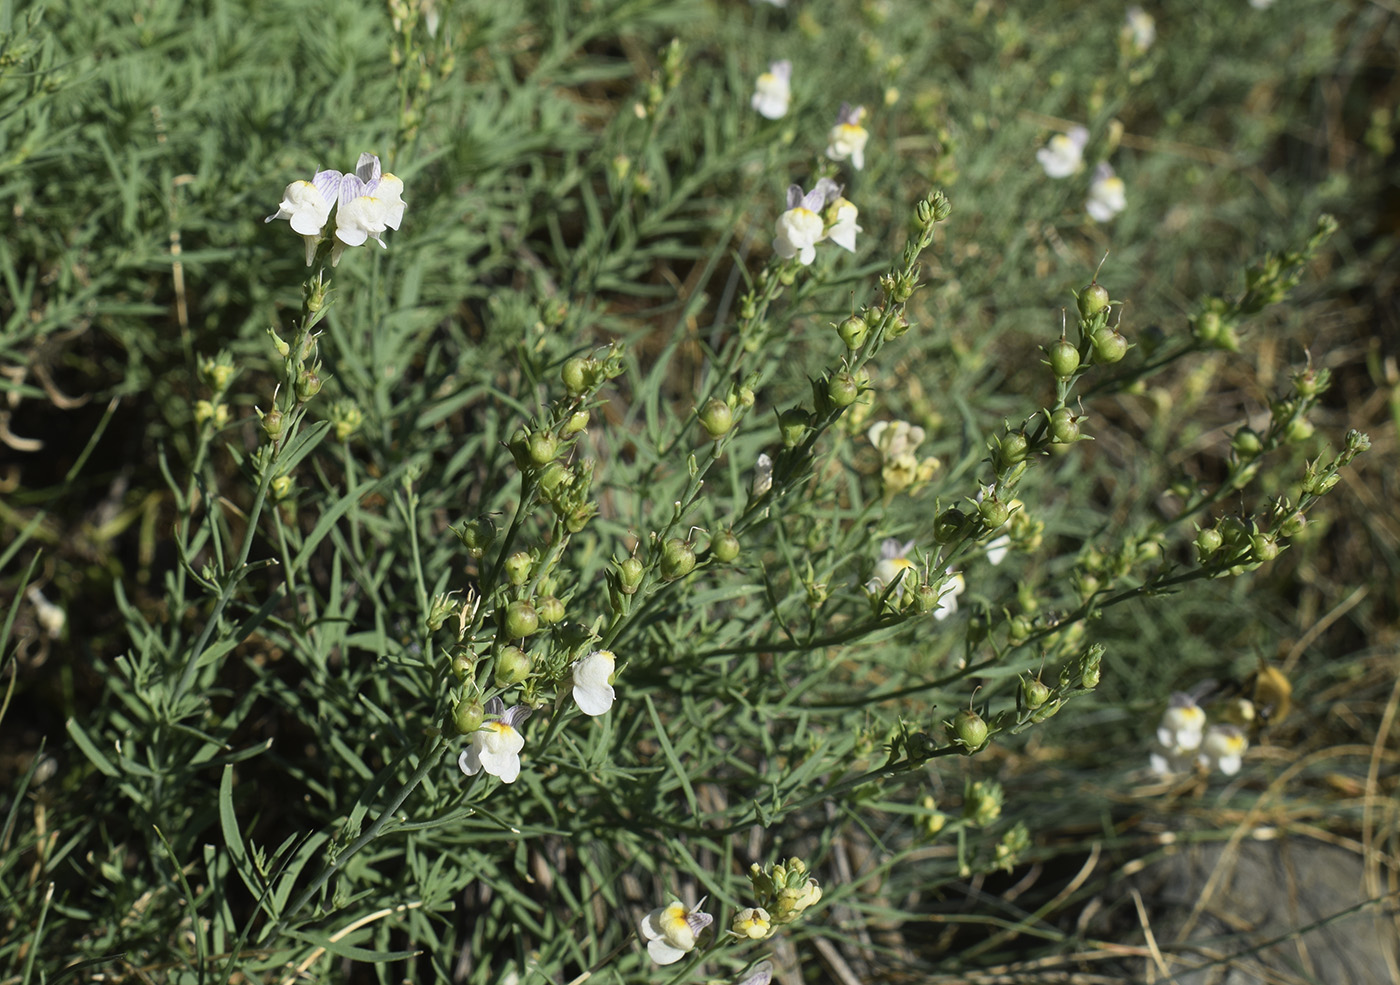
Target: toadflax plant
(604,591)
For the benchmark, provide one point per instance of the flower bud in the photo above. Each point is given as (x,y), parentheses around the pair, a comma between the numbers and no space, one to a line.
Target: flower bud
(1092,300)
(467,716)
(579,516)
(512,667)
(793,426)
(283,349)
(843,389)
(1299,429)
(477,536)
(725,547)
(629,575)
(1034,693)
(554,477)
(716,418)
(677,559)
(1247,443)
(577,421)
(281,487)
(982,802)
(1109,347)
(969,730)
(520,620)
(1090,667)
(518,567)
(542,446)
(550,610)
(1064,359)
(853,331)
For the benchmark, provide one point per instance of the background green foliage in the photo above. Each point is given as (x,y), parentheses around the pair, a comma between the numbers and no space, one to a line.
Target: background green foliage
(231,764)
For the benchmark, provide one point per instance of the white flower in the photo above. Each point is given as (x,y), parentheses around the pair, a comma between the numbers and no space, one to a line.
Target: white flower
(671,931)
(847,138)
(948,595)
(799,229)
(762,974)
(1182,724)
(895,439)
(591,688)
(1256,4)
(1179,735)
(998,548)
(1106,198)
(1064,155)
(841,215)
(1223,748)
(370,203)
(893,563)
(1139,29)
(773,91)
(495,747)
(762,476)
(308,205)
(51,617)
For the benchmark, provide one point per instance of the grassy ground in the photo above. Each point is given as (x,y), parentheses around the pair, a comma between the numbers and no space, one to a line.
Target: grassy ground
(244,679)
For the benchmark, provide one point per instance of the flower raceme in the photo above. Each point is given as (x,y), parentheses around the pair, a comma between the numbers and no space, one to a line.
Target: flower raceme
(370,201)
(671,931)
(495,747)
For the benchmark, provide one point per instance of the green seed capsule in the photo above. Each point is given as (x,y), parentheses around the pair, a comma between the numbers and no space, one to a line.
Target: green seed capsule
(521,620)
(1109,347)
(853,331)
(550,610)
(1092,300)
(842,389)
(725,547)
(970,729)
(677,559)
(629,575)
(512,667)
(1064,427)
(1064,360)
(716,418)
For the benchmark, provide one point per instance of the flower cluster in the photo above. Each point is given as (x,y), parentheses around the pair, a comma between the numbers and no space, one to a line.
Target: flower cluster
(1183,741)
(784,890)
(900,467)
(1063,156)
(773,92)
(370,201)
(812,217)
(672,931)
